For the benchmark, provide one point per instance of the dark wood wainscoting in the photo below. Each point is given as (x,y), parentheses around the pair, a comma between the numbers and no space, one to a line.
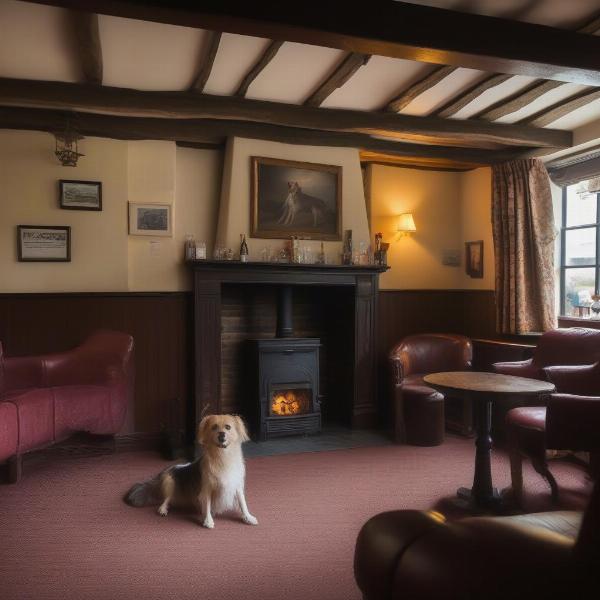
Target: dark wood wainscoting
(159,322)
(162,325)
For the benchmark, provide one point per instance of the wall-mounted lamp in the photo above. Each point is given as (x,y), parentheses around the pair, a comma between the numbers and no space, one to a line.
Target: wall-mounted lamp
(66,147)
(406,224)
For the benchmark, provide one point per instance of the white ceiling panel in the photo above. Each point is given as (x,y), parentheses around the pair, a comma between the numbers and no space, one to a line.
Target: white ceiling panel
(236,56)
(149,56)
(438,95)
(376,83)
(34,43)
(295,72)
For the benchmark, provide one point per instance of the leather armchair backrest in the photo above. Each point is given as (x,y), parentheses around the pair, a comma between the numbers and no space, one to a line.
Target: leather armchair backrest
(569,346)
(433,352)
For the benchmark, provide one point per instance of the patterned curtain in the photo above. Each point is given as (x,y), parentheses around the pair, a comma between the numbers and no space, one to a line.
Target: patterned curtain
(523,225)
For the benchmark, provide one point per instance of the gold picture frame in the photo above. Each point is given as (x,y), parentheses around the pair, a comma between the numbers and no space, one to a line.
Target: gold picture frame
(292,198)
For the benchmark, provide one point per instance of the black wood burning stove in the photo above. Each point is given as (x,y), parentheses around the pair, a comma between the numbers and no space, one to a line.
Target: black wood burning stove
(287,383)
(285,371)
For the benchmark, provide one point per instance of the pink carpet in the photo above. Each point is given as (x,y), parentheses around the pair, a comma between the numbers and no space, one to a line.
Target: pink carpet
(66,534)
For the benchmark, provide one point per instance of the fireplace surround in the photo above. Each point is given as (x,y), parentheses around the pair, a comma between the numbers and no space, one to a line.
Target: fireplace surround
(361,282)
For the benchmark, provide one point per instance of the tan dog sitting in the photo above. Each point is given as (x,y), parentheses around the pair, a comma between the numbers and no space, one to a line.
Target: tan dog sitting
(213,483)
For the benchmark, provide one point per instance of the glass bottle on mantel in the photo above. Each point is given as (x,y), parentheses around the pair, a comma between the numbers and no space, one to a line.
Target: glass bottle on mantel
(243,248)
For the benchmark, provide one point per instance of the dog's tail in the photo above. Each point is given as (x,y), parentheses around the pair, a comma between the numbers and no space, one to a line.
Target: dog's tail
(142,494)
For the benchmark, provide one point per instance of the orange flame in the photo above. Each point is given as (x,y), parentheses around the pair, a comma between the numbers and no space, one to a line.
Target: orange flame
(289,403)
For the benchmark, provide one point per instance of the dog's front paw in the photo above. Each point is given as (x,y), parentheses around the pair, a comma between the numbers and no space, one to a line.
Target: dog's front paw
(163,511)
(208,523)
(250,519)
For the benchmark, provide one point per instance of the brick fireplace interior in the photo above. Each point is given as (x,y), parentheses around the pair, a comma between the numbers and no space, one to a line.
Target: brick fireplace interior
(318,314)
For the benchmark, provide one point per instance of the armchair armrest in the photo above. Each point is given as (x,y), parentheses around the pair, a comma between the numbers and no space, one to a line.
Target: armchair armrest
(411,554)
(104,358)
(396,369)
(520,368)
(581,380)
(573,422)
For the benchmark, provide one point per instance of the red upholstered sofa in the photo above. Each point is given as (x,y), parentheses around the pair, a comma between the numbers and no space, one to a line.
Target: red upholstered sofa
(45,399)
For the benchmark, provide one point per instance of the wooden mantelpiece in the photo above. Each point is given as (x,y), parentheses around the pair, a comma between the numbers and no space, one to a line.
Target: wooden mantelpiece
(210,276)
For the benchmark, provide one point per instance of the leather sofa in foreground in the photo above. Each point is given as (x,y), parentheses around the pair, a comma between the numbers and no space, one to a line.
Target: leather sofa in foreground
(45,399)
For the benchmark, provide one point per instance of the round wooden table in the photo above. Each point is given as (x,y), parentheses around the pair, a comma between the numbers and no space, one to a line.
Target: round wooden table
(482,389)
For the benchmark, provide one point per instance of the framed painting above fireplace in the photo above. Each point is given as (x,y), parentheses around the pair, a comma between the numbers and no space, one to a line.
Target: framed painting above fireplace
(295,199)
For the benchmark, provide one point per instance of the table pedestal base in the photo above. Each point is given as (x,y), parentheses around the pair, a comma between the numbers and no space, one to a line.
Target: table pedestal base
(493,501)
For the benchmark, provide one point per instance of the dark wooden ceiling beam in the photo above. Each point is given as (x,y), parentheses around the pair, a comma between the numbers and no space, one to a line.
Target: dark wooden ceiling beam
(465,98)
(211,131)
(207,59)
(341,74)
(514,102)
(88,47)
(397,29)
(407,95)
(267,56)
(518,100)
(181,105)
(560,109)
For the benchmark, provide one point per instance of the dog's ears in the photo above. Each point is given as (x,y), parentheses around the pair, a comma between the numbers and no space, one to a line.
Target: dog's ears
(202,429)
(241,429)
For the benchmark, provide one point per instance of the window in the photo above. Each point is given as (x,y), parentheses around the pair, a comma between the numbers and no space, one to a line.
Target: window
(580,251)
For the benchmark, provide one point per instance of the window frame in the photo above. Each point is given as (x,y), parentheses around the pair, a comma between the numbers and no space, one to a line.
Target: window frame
(563,249)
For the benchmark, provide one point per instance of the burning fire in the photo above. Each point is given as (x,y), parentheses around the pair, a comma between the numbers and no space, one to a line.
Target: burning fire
(289,403)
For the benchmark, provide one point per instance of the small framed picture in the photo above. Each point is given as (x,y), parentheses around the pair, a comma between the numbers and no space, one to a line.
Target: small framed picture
(80,195)
(474,259)
(150,219)
(43,243)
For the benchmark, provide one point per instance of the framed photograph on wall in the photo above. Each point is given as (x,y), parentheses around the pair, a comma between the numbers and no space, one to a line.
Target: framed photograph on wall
(295,198)
(150,219)
(474,259)
(80,195)
(43,243)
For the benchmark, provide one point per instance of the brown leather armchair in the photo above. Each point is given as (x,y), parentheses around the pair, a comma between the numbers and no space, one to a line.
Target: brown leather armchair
(565,357)
(557,426)
(419,409)
(418,555)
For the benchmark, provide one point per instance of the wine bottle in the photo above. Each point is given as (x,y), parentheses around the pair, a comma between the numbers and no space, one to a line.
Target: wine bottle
(243,248)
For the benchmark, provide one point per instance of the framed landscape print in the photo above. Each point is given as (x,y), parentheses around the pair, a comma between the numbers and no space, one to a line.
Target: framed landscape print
(474,259)
(295,198)
(150,219)
(42,243)
(80,195)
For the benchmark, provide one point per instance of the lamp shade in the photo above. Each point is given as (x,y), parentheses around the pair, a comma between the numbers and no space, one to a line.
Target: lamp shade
(406,222)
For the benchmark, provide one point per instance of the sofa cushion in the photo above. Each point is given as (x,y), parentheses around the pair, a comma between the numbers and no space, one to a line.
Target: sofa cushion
(35,414)
(9,430)
(83,408)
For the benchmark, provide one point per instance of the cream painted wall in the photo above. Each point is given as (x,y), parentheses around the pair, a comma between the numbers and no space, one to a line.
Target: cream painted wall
(475,191)
(449,209)
(433,199)
(234,215)
(29,175)
(104,256)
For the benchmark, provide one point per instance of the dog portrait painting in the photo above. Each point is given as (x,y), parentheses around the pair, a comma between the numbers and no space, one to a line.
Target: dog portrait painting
(296,199)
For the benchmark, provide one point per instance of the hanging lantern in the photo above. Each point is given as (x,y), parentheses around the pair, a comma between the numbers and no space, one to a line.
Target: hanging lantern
(66,146)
